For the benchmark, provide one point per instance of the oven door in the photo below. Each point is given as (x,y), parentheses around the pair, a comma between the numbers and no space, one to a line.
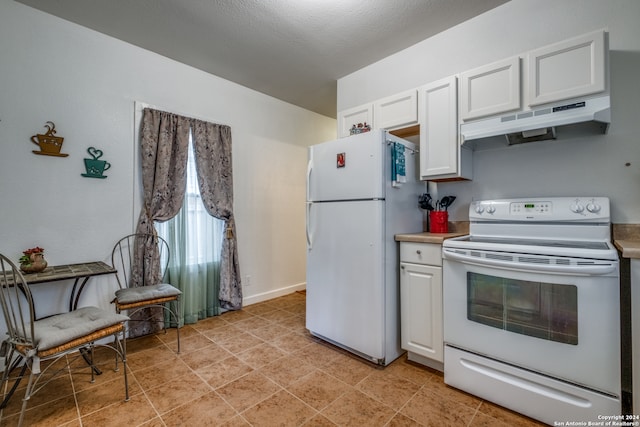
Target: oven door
(548,317)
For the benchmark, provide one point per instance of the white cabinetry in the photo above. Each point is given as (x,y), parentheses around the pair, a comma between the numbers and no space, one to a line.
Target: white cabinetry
(393,112)
(421,302)
(441,156)
(397,111)
(353,116)
(491,89)
(568,69)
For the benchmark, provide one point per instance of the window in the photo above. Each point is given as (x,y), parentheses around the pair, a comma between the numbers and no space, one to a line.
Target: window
(202,233)
(195,242)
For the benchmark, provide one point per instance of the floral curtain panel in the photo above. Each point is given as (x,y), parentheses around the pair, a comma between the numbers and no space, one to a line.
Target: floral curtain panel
(212,147)
(164,144)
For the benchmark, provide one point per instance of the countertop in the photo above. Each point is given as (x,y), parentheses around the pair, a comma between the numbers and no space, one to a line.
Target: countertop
(629,248)
(426,237)
(626,237)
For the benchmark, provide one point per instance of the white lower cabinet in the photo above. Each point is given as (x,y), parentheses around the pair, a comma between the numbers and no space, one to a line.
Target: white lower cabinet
(421,303)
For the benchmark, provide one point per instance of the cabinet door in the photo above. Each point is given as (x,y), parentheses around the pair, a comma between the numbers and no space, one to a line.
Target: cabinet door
(353,116)
(421,310)
(438,129)
(491,89)
(567,69)
(397,111)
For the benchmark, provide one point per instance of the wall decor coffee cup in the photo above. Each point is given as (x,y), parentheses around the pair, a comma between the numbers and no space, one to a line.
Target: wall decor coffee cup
(49,143)
(94,166)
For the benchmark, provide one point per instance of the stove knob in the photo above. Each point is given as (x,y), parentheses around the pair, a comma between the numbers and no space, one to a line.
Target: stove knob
(491,209)
(576,207)
(593,207)
(479,209)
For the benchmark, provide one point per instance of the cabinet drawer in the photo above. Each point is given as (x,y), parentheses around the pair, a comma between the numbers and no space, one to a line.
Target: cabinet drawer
(421,253)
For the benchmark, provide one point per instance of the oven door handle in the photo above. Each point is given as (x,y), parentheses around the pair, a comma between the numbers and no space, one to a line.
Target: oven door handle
(591,270)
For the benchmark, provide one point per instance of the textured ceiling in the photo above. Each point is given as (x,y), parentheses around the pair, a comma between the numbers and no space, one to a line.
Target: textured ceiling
(293,50)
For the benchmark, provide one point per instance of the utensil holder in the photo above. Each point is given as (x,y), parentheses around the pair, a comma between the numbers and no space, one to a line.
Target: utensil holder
(439,221)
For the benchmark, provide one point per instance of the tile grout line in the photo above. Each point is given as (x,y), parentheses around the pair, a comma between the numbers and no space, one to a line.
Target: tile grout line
(75,394)
(474,414)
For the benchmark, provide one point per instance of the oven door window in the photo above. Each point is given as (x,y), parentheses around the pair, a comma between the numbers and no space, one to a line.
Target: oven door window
(543,310)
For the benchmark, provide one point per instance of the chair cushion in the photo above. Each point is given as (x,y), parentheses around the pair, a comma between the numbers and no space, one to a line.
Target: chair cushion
(144,293)
(56,330)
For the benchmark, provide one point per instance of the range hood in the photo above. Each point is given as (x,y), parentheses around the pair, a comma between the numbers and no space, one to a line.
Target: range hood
(573,118)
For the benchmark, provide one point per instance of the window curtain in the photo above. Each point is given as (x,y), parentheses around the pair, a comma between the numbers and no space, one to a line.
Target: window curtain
(164,150)
(212,147)
(195,242)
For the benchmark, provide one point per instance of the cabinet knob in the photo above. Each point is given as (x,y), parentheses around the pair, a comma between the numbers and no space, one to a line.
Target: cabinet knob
(419,252)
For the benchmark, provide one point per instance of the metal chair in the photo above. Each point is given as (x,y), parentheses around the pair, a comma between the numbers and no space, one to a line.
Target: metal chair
(134,293)
(32,341)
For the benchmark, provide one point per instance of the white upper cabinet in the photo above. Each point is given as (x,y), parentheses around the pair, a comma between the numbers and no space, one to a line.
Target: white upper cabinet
(491,89)
(441,157)
(397,111)
(567,69)
(393,112)
(354,116)
(438,129)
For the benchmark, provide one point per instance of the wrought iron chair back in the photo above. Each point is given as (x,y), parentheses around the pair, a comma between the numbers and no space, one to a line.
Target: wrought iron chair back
(31,341)
(142,260)
(132,249)
(17,304)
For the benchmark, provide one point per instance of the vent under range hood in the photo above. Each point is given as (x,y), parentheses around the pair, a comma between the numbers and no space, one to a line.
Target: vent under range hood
(575,118)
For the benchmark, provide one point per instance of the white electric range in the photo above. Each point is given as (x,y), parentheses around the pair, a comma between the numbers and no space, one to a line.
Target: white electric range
(532,308)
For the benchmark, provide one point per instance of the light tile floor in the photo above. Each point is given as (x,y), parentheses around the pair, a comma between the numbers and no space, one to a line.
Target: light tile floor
(255,367)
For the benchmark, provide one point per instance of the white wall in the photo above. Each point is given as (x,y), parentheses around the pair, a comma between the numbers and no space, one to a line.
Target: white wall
(582,167)
(87,84)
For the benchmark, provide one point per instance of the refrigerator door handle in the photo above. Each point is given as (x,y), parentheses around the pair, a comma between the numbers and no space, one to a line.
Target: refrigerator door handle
(309,169)
(308,226)
(309,243)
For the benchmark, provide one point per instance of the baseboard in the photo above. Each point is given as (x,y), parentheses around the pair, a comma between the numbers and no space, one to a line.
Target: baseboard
(265,296)
(433,364)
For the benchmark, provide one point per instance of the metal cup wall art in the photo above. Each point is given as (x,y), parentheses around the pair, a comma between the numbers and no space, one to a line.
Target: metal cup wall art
(94,166)
(49,143)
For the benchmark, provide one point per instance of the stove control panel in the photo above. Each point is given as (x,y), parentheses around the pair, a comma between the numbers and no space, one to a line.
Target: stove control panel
(527,208)
(595,209)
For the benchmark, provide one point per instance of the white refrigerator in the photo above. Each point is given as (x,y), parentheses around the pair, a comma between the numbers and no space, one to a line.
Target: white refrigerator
(355,207)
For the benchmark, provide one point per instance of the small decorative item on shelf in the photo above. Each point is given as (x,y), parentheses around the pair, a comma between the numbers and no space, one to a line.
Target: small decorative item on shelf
(49,143)
(32,260)
(95,167)
(359,128)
